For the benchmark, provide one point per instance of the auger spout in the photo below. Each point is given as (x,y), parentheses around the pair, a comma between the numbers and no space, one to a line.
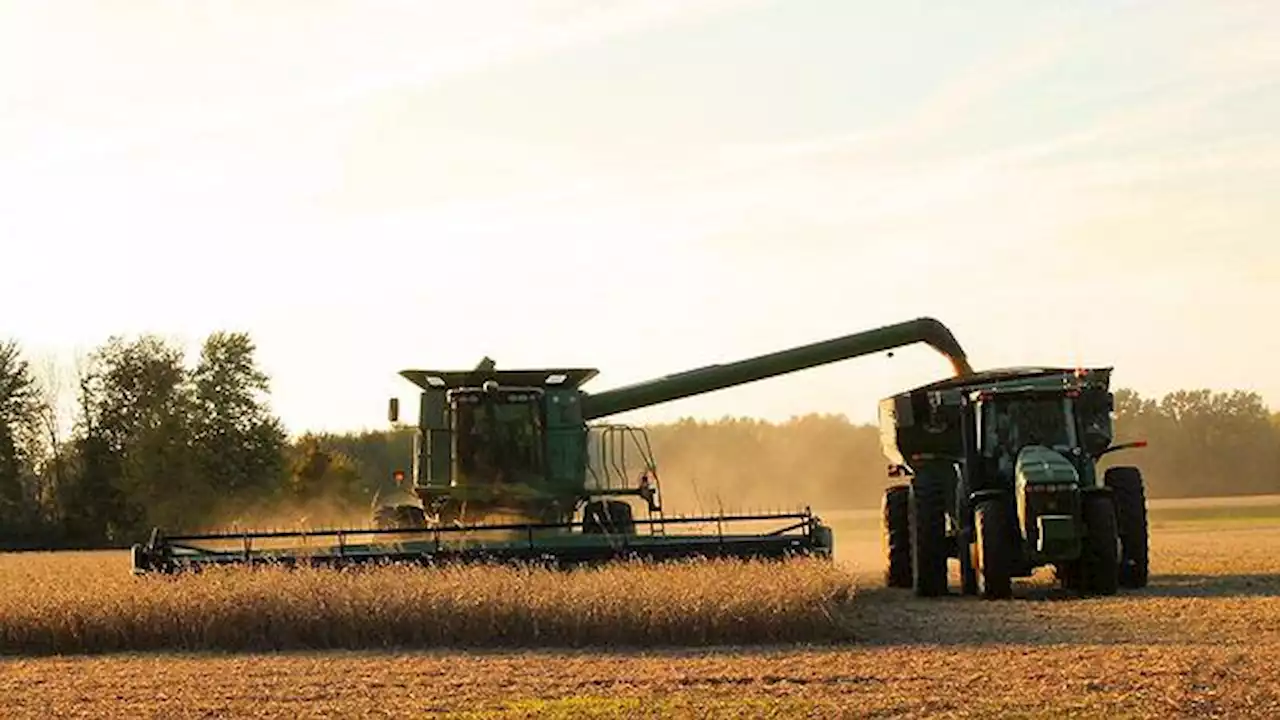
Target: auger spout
(717,377)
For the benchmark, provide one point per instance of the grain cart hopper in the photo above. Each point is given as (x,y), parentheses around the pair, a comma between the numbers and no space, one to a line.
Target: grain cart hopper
(1003,477)
(507,466)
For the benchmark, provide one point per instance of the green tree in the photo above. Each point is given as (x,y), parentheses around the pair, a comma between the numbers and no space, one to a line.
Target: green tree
(239,443)
(136,450)
(318,472)
(1201,442)
(20,411)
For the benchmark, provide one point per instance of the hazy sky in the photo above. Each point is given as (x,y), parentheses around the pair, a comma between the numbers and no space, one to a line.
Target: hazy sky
(646,186)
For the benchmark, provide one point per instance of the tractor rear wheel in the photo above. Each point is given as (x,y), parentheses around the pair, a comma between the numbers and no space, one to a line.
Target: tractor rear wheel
(1131,518)
(1100,551)
(612,517)
(928,513)
(896,522)
(994,549)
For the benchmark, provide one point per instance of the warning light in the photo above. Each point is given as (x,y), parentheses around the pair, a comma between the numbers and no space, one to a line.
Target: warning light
(399,476)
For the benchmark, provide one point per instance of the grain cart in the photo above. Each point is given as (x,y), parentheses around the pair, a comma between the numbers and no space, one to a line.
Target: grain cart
(508,465)
(1002,476)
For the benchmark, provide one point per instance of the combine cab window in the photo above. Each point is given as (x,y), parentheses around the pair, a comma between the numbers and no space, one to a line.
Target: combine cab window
(499,442)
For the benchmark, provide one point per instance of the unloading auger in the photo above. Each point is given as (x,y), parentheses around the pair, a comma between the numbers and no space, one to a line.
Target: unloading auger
(509,465)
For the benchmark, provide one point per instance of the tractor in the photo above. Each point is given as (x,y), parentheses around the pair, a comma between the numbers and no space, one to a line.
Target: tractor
(1000,471)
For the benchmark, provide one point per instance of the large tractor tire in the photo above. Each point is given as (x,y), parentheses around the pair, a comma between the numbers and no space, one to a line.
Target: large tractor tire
(896,523)
(1131,518)
(968,563)
(608,517)
(929,550)
(399,517)
(1100,551)
(993,525)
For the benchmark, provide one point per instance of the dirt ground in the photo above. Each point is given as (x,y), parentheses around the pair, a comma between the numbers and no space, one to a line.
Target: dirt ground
(1202,641)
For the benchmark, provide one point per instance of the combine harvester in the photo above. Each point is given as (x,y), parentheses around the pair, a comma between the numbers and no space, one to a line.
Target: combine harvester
(507,467)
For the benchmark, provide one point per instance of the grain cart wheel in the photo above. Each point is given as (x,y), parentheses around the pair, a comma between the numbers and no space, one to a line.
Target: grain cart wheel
(896,522)
(1131,518)
(968,563)
(927,510)
(994,561)
(1100,551)
(611,517)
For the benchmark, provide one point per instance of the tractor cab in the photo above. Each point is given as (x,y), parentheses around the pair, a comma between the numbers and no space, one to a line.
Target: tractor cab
(1007,422)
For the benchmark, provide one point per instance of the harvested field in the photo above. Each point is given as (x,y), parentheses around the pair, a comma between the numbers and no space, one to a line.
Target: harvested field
(1202,641)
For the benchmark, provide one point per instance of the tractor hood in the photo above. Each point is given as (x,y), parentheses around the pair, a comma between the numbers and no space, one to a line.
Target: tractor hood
(1039,465)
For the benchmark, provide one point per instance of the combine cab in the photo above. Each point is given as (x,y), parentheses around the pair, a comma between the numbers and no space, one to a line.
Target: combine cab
(510,465)
(1002,476)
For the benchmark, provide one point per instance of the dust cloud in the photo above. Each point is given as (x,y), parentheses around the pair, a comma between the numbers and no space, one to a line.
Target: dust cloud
(823,462)
(311,514)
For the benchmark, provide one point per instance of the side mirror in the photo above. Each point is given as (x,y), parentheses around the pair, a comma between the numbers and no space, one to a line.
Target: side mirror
(393,410)
(1096,442)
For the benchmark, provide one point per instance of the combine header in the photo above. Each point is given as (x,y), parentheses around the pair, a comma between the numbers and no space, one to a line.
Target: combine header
(507,465)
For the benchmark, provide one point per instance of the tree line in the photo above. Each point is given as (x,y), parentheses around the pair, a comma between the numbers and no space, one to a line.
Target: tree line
(153,441)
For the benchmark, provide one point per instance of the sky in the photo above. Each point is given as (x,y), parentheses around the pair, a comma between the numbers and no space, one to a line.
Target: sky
(646,186)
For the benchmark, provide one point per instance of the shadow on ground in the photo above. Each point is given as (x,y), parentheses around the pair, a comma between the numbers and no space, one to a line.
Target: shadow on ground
(1252,585)
(1171,610)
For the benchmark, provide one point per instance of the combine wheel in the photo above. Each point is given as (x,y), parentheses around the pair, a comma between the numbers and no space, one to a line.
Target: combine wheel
(896,516)
(399,517)
(1100,554)
(1131,518)
(612,517)
(928,514)
(994,562)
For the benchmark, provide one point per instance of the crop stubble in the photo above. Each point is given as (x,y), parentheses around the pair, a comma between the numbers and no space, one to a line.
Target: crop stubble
(1202,641)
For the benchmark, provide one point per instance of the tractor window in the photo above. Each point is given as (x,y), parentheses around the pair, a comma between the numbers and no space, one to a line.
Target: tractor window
(1015,423)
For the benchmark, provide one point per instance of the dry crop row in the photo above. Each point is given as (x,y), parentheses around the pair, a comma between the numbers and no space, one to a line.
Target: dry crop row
(90,603)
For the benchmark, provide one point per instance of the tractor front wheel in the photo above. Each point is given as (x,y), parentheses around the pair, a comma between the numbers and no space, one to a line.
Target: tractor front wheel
(994,549)
(1131,518)
(896,519)
(1100,554)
